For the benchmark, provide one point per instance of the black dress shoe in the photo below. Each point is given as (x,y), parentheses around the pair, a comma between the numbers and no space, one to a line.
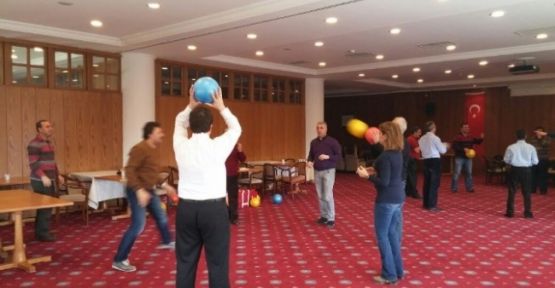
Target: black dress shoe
(509,215)
(322,220)
(435,209)
(46,238)
(470,191)
(528,215)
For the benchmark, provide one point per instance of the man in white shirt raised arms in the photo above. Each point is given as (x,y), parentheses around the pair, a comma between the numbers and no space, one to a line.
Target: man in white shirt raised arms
(202,217)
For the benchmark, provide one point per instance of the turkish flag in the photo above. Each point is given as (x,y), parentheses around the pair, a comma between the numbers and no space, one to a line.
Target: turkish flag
(475,105)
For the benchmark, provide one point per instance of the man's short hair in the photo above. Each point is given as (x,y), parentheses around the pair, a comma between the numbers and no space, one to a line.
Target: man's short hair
(149,128)
(520,134)
(38,125)
(429,125)
(200,119)
(540,128)
(414,129)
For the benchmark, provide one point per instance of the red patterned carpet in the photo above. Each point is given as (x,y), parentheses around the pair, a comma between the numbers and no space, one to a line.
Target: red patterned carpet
(468,244)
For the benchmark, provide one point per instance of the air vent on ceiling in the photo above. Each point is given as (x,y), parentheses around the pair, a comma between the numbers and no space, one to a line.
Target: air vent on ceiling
(299,62)
(435,45)
(357,54)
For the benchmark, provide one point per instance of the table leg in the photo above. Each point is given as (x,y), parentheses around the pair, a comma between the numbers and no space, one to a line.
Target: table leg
(19,259)
(127,214)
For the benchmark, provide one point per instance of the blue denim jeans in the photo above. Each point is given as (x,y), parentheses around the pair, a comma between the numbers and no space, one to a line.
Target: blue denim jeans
(388,222)
(138,221)
(461,163)
(324,181)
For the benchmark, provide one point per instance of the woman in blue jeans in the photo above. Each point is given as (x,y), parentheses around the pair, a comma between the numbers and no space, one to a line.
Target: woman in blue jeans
(388,209)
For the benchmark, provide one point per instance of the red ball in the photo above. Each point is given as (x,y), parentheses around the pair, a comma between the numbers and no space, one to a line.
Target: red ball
(372,135)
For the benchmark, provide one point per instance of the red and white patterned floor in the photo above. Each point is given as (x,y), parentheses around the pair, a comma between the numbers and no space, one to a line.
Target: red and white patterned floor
(468,244)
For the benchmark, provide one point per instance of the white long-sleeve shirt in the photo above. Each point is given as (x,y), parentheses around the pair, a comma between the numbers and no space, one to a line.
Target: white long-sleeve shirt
(201,159)
(521,154)
(431,146)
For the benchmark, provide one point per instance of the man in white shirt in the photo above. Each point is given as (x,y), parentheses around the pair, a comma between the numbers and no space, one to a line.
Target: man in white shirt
(521,156)
(431,149)
(202,217)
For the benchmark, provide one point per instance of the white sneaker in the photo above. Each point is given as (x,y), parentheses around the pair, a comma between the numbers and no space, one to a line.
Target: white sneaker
(124,266)
(170,245)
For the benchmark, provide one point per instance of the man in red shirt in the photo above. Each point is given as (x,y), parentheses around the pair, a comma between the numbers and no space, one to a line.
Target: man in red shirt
(412,140)
(236,157)
(462,143)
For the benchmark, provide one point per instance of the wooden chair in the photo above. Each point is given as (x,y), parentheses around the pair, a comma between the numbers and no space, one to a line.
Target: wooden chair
(174,177)
(254,178)
(295,179)
(495,168)
(76,191)
(269,179)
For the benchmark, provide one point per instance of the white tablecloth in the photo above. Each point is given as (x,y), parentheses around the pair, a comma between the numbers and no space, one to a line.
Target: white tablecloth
(101,190)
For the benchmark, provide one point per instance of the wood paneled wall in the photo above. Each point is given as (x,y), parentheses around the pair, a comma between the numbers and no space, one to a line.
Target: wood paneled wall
(271,131)
(504,115)
(87,127)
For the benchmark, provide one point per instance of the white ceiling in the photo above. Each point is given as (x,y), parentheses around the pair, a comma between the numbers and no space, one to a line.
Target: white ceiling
(287,30)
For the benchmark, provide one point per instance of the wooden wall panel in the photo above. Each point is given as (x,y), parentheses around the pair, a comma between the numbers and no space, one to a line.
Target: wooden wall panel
(3,132)
(87,127)
(271,131)
(16,146)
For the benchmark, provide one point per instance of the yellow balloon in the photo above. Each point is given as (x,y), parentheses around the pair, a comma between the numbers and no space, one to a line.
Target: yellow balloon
(357,128)
(470,153)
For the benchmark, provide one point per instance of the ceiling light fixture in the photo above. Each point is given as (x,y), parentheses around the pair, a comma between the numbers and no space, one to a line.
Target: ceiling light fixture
(252,36)
(322,64)
(361,74)
(511,65)
(164,68)
(420,80)
(394,76)
(448,71)
(259,53)
(541,36)
(153,5)
(395,31)
(96,23)
(192,47)
(470,76)
(416,69)
(318,43)
(497,13)
(379,57)
(483,63)
(331,20)
(451,47)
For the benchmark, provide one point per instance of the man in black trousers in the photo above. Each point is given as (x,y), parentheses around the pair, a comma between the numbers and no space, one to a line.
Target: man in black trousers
(521,156)
(202,217)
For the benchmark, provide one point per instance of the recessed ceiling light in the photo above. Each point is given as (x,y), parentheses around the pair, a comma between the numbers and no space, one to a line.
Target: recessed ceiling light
(361,74)
(483,63)
(259,53)
(164,68)
(331,20)
(420,80)
(497,13)
(352,51)
(322,64)
(451,47)
(541,36)
(153,5)
(416,69)
(379,56)
(394,76)
(252,36)
(395,31)
(318,43)
(511,65)
(96,23)
(470,76)
(192,47)
(38,49)
(448,71)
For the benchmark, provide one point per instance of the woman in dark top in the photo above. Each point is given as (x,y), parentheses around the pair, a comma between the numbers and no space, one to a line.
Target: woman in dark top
(388,209)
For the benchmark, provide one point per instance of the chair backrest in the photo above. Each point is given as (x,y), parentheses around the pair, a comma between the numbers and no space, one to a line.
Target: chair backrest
(301,168)
(269,172)
(72,185)
(290,161)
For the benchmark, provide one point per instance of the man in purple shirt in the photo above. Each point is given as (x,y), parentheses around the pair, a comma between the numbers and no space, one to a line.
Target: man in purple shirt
(323,156)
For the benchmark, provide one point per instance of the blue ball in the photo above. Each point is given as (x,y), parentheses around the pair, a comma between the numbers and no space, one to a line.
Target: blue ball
(205,87)
(277,199)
